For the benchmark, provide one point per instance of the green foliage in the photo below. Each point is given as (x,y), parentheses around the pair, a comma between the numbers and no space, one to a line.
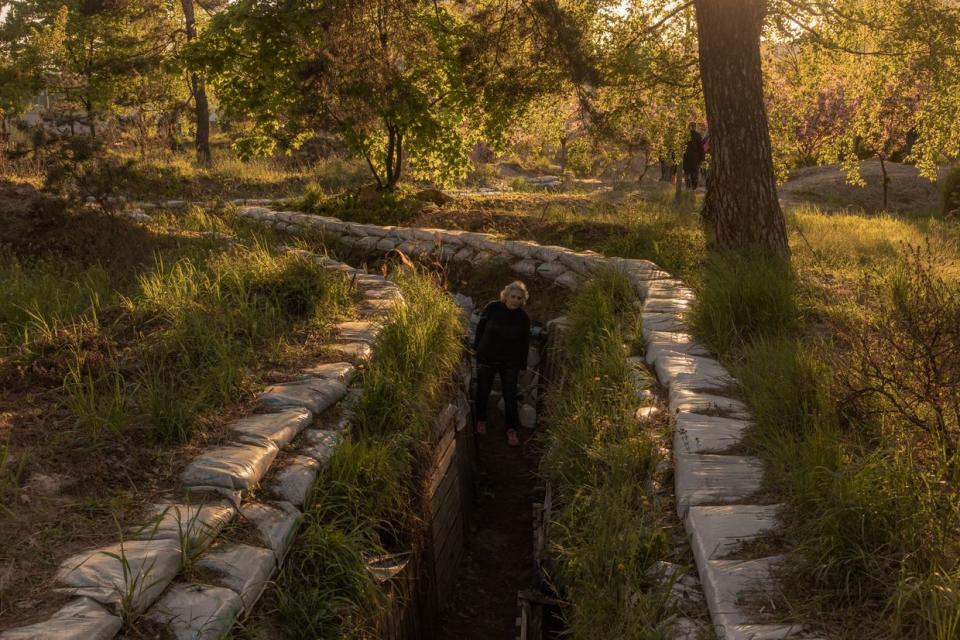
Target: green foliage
(860,82)
(79,170)
(325,589)
(94,61)
(397,83)
(597,458)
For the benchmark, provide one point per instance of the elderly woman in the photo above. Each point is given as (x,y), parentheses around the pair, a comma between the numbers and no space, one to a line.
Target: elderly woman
(501,345)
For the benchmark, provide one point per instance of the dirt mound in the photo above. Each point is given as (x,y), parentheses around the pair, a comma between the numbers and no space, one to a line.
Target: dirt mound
(827,187)
(36,225)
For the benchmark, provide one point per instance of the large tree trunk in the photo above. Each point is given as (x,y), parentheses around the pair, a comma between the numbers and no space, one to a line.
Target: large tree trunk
(741,208)
(199,91)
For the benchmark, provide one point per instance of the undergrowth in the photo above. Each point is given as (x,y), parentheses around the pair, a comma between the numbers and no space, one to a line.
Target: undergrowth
(849,362)
(606,531)
(178,341)
(365,501)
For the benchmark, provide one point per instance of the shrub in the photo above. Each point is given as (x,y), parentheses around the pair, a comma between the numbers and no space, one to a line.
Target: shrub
(950,193)
(907,361)
(80,168)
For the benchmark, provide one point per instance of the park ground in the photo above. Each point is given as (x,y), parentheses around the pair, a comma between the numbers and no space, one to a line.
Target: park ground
(870,296)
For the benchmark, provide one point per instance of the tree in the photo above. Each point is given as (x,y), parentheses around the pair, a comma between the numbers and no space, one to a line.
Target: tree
(807,105)
(92,57)
(872,75)
(390,77)
(741,210)
(198,90)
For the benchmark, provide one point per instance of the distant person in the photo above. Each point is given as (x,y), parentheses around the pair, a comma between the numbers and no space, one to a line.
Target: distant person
(693,157)
(501,343)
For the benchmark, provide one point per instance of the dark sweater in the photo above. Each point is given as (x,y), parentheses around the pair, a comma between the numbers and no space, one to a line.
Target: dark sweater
(503,335)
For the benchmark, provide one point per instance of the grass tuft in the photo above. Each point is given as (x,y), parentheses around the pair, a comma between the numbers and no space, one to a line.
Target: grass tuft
(605,533)
(414,358)
(744,298)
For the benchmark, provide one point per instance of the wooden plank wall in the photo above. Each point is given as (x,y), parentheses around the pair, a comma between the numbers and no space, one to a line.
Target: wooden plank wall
(447,504)
(426,584)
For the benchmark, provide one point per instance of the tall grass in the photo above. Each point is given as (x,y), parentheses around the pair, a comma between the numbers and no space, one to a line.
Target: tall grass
(361,501)
(38,299)
(744,298)
(364,502)
(871,510)
(180,340)
(215,311)
(414,358)
(605,533)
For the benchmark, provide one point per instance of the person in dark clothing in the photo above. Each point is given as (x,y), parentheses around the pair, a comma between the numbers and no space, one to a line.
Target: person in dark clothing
(693,157)
(501,343)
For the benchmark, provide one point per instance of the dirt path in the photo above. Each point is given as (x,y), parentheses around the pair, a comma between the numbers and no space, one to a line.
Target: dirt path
(499,558)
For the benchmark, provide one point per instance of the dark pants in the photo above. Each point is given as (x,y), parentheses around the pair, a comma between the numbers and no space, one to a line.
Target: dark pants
(692,176)
(509,373)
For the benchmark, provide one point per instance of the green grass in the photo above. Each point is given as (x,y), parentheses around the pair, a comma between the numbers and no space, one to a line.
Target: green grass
(414,357)
(176,340)
(606,530)
(215,312)
(743,299)
(39,298)
(871,514)
(364,502)
(361,500)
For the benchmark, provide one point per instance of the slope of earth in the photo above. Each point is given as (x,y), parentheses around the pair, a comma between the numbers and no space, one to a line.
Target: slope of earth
(827,187)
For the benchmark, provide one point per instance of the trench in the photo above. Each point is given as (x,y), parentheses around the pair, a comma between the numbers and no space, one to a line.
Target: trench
(462,578)
(499,556)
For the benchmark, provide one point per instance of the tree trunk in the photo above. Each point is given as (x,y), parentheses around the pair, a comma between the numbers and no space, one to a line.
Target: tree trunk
(741,209)
(393,160)
(199,91)
(886,179)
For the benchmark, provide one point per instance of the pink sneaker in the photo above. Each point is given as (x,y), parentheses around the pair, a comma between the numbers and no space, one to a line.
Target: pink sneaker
(481,428)
(512,439)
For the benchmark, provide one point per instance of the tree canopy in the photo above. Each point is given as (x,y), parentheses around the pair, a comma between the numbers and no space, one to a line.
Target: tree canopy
(412,87)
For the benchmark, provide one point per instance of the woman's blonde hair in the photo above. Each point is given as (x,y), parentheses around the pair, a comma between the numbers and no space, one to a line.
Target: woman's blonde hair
(518,286)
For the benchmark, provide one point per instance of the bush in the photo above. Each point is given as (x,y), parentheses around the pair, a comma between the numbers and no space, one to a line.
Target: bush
(907,361)
(80,168)
(950,193)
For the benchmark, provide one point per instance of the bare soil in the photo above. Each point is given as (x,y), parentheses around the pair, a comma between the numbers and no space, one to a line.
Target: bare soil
(499,559)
